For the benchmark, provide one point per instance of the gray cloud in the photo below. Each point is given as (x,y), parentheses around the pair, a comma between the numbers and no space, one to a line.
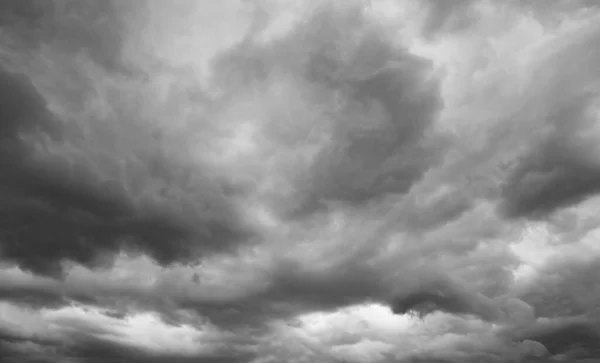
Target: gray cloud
(552,13)
(383,104)
(361,197)
(560,169)
(78,26)
(70,336)
(566,288)
(54,210)
(443,17)
(555,175)
(574,337)
(90,351)
(293,289)
(428,301)
(565,296)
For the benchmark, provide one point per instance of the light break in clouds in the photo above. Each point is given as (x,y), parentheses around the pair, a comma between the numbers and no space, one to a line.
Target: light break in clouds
(299,181)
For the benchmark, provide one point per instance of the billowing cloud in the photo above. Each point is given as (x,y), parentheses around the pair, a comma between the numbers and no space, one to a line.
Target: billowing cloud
(74,188)
(289,181)
(560,169)
(365,108)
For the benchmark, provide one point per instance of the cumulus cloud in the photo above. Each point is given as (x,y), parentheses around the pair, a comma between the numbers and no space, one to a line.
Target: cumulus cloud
(334,182)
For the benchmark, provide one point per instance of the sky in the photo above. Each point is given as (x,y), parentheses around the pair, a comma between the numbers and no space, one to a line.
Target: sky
(299,181)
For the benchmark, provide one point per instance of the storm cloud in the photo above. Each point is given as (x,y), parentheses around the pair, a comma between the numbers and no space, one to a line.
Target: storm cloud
(288,181)
(375,106)
(88,206)
(561,168)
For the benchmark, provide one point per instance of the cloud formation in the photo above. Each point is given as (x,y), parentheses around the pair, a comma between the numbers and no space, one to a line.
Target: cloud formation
(333,182)
(83,181)
(560,169)
(366,133)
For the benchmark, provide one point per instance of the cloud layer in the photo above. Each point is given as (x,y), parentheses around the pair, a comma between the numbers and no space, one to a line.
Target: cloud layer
(332,182)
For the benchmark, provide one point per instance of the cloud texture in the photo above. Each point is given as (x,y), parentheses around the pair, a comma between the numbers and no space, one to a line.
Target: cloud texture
(283,181)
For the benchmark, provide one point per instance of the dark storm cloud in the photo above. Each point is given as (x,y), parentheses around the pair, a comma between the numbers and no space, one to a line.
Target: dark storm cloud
(30,291)
(386,103)
(296,289)
(561,168)
(580,336)
(566,288)
(293,290)
(21,108)
(574,336)
(17,343)
(388,158)
(427,302)
(284,291)
(438,212)
(32,297)
(565,296)
(382,104)
(405,280)
(553,177)
(25,351)
(51,213)
(558,172)
(365,165)
(448,296)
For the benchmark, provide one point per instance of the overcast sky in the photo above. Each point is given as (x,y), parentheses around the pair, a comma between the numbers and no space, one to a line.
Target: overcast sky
(299,181)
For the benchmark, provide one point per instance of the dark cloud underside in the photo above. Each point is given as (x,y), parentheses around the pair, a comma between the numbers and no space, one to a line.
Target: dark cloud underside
(557,173)
(313,169)
(559,178)
(57,209)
